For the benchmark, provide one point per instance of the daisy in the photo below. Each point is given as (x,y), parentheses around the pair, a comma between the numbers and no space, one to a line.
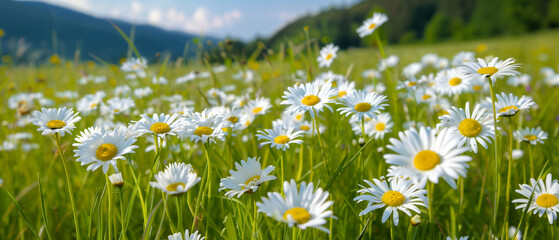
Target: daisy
(522,80)
(160,125)
(327,55)
(248,177)
(187,236)
(90,102)
(85,134)
(531,135)
(376,127)
(425,95)
(460,58)
(470,129)
(309,97)
(508,105)
(116,179)
(345,87)
(103,148)
(424,155)
(204,127)
(258,106)
(412,69)
(371,24)
(545,198)
(493,69)
(361,104)
(134,65)
(55,120)
(117,105)
(177,179)
(303,207)
(451,82)
(401,194)
(279,136)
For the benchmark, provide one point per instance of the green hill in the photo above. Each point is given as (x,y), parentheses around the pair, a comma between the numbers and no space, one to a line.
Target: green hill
(425,20)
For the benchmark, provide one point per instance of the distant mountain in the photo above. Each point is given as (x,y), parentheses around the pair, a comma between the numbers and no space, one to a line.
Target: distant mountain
(37,24)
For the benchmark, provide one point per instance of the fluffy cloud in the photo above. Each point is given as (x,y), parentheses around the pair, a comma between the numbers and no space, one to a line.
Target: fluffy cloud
(201,21)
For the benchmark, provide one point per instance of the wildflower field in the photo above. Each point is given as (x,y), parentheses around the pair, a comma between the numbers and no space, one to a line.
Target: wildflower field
(447,141)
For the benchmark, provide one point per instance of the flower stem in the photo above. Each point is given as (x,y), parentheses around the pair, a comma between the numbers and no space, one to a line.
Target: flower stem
(320,142)
(507,193)
(531,160)
(209,182)
(122,217)
(109,206)
(69,183)
(179,213)
(497,177)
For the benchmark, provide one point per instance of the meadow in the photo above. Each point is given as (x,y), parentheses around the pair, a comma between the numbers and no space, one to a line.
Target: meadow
(337,159)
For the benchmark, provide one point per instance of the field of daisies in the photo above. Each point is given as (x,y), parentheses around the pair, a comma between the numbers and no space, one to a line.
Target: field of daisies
(453,141)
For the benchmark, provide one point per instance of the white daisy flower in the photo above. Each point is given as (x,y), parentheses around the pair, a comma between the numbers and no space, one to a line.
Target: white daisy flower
(425,95)
(371,24)
(258,106)
(395,194)
(522,80)
(187,236)
(345,87)
(327,55)
(186,78)
(55,120)
(331,77)
(470,129)
(424,155)
(134,65)
(493,69)
(117,105)
(160,124)
(203,127)
(379,87)
(90,102)
(460,58)
(451,82)
(116,179)
(303,207)
(159,80)
(177,178)
(143,92)
(309,97)
(103,148)
(361,104)
(412,69)
(429,59)
(248,177)
(374,127)
(85,134)
(280,136)
(530,135)
(512,230)
(507,105)
(478,85)
(370,74)
(545,199)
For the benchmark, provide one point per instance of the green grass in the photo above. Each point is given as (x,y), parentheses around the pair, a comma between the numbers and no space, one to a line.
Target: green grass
(456,212)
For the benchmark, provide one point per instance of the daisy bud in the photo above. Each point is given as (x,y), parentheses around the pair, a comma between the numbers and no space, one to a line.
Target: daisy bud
(416,220)
(116,180)
(517,154)
(361,142)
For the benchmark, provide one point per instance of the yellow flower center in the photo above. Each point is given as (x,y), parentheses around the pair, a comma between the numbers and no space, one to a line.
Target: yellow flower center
(233,119)
(281,139)
(380,126)
(93,105)
(299,116)
(426,97)
(256,110)
(469,127)
(248,181)
(173,186)
(426,160)
(411,84)
(373,25)
(116,110)
(393,198)
(505,109)
(305,128)
(487,70)
(477,88)
(363,107)
(547,200)
(56,124)
(530,137)
(454,81)
(106,152)
(299,214)
(341,93)
(203,131)
(329,56)
(160,128)
(310,100)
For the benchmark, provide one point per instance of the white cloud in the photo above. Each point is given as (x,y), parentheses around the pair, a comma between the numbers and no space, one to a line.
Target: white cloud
(136,7)
(155,16)
(82,5)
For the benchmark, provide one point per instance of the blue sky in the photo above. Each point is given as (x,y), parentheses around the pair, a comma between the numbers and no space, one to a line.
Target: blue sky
(244,19)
